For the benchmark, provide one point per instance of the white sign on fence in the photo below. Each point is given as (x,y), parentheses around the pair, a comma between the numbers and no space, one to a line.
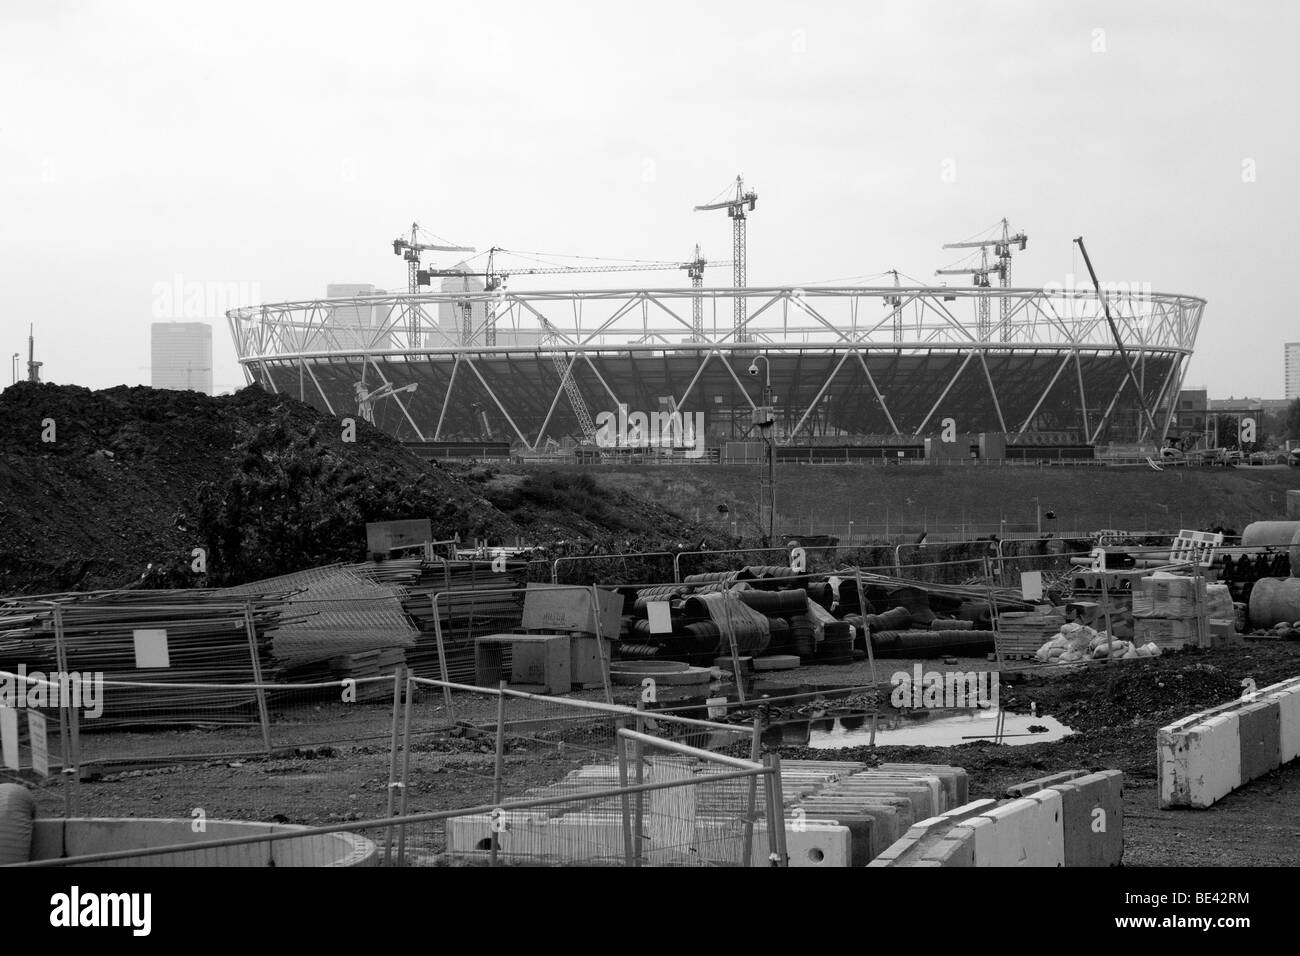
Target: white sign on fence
(660,615)
(40,749)
(151,648)
(9,737)
(1031,585)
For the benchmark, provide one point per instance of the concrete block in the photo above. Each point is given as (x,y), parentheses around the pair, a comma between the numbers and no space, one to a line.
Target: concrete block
(860,826)
(47,839)
(1092,814)
(921,797)
(955,780)
(1288,703)
(892,817)
(910,849)
(1199,764)
(1033,786)
(957,848)
(938,798)
(1259,728)
(1024,832)
(819,844)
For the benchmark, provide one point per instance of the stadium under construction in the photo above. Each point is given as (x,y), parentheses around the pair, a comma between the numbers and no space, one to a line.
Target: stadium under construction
(869,369)
(849,365)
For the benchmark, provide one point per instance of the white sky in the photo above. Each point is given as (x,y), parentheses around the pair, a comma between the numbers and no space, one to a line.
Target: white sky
(283,146)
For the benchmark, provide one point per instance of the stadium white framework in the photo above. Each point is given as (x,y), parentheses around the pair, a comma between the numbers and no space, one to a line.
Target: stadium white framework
(848,364)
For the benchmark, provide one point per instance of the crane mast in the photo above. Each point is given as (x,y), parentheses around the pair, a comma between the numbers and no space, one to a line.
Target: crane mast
(695,270)
(736,210)
(410,250)
(1002,249)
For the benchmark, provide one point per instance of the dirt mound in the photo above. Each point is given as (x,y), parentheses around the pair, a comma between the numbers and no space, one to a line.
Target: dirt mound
(116,487)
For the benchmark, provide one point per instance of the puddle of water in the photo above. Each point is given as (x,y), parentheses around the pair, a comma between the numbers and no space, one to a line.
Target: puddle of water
(937,728)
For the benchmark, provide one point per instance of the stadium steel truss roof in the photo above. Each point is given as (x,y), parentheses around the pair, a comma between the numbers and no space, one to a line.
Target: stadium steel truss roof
(845,362)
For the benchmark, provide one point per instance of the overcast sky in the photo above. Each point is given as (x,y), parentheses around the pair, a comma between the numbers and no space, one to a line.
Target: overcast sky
(280,147)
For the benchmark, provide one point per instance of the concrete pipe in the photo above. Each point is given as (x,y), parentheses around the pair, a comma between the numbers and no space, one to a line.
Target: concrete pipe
(1278,534)
(1274,600)
(17,811)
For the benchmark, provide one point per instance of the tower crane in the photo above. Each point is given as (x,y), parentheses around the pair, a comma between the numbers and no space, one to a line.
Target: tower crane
(736,208)
(1002,249)
(896,303)
(410,250)
(695,271)
(494,279)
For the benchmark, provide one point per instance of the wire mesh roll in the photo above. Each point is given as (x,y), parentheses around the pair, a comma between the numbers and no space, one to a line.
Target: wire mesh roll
(801,636)
(712,577)
(895,619)
(931,643)
(773,603)
(704,634)
(940,624)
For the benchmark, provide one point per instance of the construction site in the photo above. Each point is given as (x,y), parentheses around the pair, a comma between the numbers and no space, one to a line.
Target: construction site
(928,584)
(247,631)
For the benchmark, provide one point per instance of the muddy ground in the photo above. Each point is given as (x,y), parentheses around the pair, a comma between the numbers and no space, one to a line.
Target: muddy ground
(336,765)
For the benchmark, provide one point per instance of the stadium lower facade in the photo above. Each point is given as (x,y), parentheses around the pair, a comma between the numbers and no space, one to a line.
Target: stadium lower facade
(848,365)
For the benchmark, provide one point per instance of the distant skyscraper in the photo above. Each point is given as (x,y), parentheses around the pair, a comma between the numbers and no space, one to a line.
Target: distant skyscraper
(182,356)
(1291,370)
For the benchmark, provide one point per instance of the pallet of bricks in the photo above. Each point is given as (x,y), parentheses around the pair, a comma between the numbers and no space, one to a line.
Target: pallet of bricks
(1168,609)
(1113,590)
(1021,633)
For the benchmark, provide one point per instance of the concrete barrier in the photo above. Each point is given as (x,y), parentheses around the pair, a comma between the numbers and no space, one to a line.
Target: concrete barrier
(1025,832)
(1204,757)
(1093,818)
(1068,819)
(920,846)
(881,805)
(83,836)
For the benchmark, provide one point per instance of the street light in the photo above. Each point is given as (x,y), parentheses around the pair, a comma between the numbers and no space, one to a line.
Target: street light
(764,418)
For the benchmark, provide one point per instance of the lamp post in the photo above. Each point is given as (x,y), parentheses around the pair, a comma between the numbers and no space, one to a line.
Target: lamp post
(764,419)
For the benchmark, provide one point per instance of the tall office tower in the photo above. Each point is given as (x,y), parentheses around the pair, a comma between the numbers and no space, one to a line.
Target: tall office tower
(1291,370)
(181,356)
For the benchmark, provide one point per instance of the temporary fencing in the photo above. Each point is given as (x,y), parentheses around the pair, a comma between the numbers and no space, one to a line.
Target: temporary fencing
(569,782)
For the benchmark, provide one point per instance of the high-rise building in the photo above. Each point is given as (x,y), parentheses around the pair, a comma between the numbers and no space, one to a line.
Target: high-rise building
(181,356)
(1291,370)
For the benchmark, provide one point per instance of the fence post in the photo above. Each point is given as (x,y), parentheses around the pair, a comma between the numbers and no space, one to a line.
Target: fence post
(407,688)
(442,655)
(866,632)
(747,854)
(602,646)
(779,795)
(498,767)
(638,832)
(775,816)
(621,744)
(393,784)
(251,630)
(993,614)
(65,721)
